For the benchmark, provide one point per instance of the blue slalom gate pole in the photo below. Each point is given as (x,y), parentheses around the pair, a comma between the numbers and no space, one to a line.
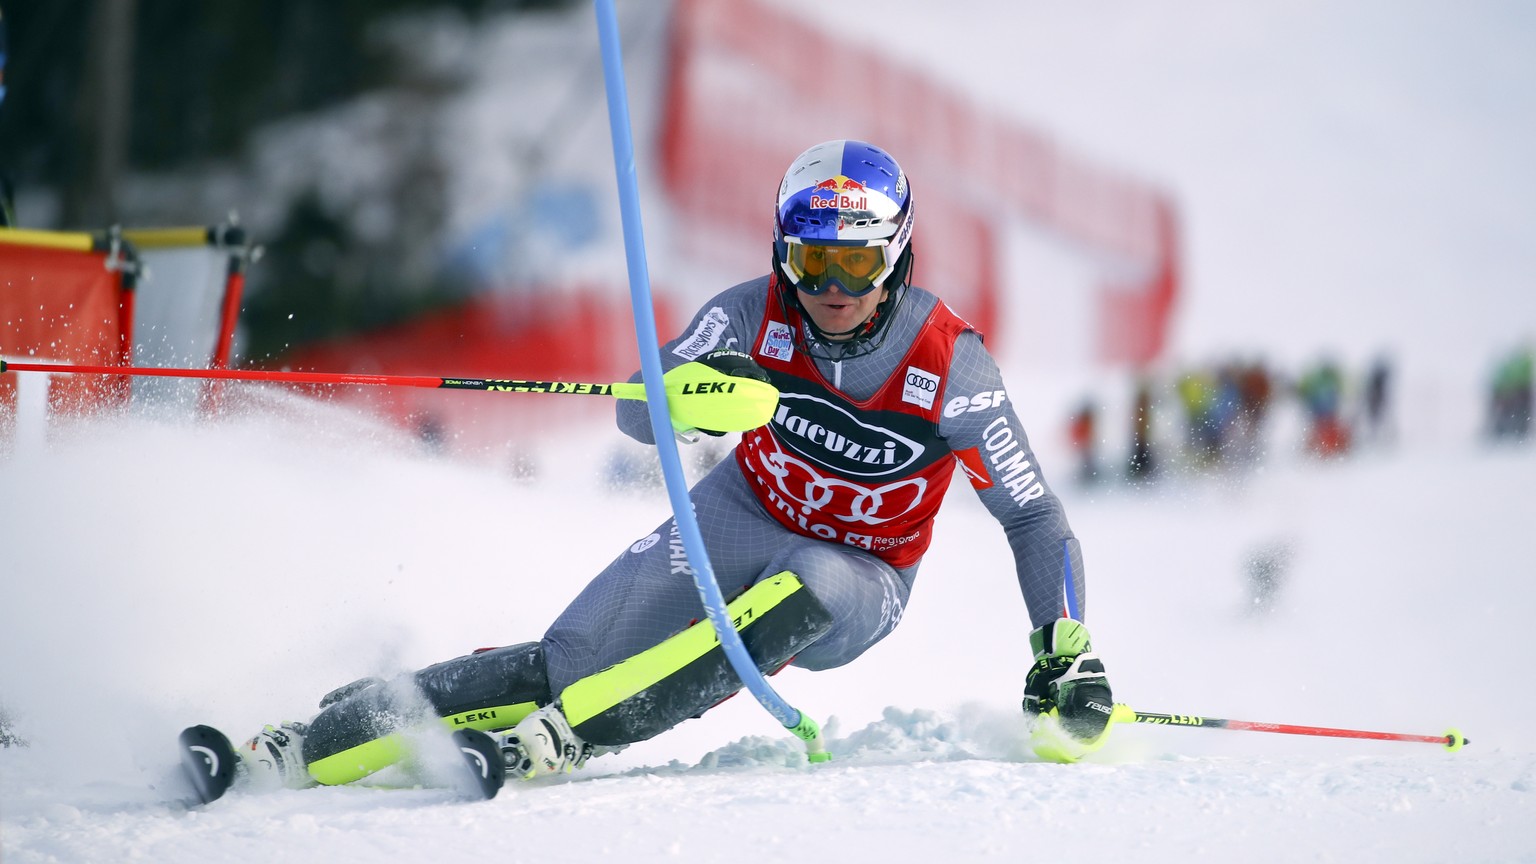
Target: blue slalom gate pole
(656,395)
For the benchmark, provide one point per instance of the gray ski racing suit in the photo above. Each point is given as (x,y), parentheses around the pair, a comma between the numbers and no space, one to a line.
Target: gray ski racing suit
(821,562)
(646,595)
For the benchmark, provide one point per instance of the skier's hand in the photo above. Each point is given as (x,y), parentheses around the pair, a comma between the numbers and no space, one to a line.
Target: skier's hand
(732,362)
(725,363)
(1066,693)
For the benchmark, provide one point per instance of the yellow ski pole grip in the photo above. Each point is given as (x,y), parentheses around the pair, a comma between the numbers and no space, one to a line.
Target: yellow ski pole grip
(700,397)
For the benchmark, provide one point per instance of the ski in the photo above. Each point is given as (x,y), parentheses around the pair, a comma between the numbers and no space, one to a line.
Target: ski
(209,762)
(483,757)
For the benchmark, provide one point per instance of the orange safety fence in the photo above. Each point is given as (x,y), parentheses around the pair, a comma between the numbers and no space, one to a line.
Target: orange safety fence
(71,297)
(66,298)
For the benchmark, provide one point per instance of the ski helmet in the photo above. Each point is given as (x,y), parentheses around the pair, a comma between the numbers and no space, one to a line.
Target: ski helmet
(844,218)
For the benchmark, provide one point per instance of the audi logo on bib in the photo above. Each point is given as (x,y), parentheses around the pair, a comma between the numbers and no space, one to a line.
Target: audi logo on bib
(922,382)
(919,387)
(811,493)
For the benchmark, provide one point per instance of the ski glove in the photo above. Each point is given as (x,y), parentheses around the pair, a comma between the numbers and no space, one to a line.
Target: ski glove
(1066,693)
(727,362)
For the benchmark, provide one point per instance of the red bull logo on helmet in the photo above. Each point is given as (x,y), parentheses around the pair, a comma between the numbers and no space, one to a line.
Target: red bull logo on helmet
(841,193)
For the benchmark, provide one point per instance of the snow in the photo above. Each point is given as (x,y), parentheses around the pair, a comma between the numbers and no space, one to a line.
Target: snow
(160,572)
(152,600)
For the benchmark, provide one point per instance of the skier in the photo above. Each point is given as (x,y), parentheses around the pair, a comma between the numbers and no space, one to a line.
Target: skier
(817,526)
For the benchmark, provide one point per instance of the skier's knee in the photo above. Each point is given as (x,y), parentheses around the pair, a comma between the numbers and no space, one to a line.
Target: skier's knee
(510,680)
(864,597)
(685,675)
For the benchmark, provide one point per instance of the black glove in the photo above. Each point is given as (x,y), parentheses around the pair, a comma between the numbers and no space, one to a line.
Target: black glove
(728,361)
(1067,683)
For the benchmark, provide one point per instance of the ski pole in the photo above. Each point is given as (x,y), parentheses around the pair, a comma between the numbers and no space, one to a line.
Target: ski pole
(697,396)
(1452,740)
(686,522)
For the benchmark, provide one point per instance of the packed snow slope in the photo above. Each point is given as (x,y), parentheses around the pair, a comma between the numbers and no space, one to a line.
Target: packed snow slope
(1355,178)
(164,572)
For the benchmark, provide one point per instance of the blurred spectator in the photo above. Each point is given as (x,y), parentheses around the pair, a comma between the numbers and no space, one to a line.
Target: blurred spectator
(1197,393)
(1250,387)
(1321,391)
(1226,413)
(1375,420)
(1082,432)
(1143,465)
(1511,397)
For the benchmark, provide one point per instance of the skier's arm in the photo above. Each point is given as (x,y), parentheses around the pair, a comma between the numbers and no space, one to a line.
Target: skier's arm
(1066,691)
(984,431)
(729,320)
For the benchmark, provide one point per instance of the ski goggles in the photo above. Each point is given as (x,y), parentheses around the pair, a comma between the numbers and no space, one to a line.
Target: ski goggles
(856,270)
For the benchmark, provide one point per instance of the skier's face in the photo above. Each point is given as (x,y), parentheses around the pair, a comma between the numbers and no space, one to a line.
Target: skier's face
(832,311)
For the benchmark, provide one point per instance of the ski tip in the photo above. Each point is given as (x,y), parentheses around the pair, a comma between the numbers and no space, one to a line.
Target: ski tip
(208,761)
(483,757)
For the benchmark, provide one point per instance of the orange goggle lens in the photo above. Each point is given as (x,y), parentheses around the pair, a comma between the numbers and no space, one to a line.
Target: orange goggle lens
(854,269)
